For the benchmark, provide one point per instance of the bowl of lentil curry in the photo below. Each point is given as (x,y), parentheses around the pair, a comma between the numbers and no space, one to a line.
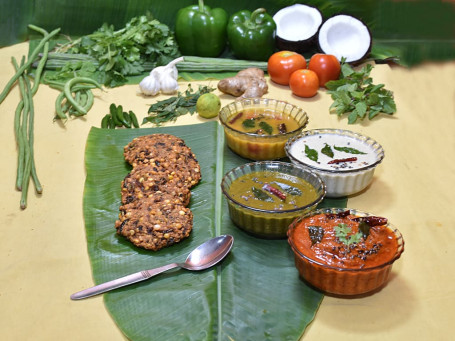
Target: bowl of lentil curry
(344,251)
(258,128)
(264,197)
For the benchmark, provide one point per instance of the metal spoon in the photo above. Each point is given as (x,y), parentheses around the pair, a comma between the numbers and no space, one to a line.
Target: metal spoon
(203,257)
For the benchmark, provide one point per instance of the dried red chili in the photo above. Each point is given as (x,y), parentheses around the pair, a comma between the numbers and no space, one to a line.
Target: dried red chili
(274,191)
(282,128)
(235,118)
(372,220)
(349,159)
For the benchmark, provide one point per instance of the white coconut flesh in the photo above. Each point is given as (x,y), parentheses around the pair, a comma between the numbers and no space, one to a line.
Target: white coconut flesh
(344,36)
(297,22)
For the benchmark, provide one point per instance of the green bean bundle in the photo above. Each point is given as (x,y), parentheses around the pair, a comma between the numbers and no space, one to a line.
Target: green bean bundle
(79,103)
(25,114)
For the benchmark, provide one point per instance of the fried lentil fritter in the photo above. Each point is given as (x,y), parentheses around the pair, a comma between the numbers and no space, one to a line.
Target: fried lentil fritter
(143,181)
(154,222)
(156,192)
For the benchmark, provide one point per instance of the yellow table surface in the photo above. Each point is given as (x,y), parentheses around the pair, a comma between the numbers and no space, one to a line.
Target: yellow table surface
(43,251)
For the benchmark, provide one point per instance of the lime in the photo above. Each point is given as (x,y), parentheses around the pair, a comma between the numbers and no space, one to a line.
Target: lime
(208,105)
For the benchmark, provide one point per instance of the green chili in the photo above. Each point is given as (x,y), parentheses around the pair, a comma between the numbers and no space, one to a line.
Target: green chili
(134,119)
(121,117)
(111,124)
(127,119)
(113,112)
(105,122)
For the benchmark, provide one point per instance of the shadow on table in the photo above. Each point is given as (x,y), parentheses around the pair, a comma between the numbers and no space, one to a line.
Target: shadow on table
(388,306)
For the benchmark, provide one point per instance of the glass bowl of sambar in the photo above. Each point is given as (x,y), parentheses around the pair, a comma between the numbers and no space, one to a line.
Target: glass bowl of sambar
(264,197)
(258,128)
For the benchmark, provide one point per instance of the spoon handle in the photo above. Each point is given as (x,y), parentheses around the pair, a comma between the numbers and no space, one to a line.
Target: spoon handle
(121,282)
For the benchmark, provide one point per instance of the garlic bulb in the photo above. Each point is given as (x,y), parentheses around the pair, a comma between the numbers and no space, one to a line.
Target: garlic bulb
(161,78)
(150,86)
(168,83)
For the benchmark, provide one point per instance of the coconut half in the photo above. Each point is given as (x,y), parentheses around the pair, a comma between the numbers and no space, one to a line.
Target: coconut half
(345,36)
(297,28)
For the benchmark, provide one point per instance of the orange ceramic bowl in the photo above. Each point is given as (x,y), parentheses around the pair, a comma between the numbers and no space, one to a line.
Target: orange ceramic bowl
(335,279)
(260,147)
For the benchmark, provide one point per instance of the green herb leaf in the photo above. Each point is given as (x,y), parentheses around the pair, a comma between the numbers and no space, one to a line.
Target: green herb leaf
(249,123)
(288,188)
(342,233)
(266,127)
(122,53)
(355,94)
(316,234)
(364,228)
(348,150)
(171,108)
(261,195)
(327,150)
(312,154)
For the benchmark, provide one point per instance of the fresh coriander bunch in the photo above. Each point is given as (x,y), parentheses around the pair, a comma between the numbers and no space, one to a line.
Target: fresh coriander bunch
(355,94)
(122,53)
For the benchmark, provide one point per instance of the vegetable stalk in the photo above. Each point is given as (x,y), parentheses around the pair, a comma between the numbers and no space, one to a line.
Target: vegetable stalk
(56,61)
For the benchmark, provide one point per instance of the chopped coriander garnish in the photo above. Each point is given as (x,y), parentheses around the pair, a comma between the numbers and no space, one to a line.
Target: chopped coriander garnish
(342,233)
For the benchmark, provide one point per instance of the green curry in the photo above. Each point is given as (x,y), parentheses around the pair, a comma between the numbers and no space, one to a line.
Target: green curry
(269,190)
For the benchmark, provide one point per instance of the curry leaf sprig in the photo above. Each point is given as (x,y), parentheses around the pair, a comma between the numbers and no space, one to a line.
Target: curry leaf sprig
(355,94)
(170,109)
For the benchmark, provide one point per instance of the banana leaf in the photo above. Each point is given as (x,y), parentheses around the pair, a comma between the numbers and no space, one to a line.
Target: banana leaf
(254,294)
(417,30)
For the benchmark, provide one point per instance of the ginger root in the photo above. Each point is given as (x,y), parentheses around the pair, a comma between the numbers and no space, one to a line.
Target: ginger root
(247,83)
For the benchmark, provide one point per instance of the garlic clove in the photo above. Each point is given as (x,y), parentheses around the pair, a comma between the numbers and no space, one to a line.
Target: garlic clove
(150,86)
(169,85)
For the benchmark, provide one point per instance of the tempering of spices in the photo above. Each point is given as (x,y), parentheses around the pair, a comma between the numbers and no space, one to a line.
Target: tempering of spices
(269,190)
(262,122)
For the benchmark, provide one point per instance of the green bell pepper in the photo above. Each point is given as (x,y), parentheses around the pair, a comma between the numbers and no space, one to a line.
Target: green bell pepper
(252,35)
(201,31)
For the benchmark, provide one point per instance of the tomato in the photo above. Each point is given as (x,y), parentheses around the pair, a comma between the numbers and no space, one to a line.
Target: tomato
(282,64)
(304,83)
(326,66)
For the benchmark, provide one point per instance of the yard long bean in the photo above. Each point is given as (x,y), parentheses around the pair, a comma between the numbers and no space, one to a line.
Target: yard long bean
(26,65)
(69,88)
(21,142)
(24,116)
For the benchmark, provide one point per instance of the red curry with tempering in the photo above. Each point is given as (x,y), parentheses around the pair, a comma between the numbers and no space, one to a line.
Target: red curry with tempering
(338,241)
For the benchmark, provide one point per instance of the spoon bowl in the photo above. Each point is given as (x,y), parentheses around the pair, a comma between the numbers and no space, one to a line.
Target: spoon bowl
(208,253)
(203,257)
